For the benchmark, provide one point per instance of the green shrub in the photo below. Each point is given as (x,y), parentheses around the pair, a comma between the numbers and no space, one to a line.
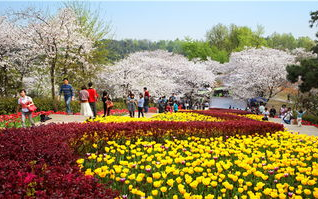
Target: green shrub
(8,105)
(311,118)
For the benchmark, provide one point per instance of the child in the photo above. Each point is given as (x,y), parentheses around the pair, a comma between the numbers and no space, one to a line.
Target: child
(300,117)
(175,106)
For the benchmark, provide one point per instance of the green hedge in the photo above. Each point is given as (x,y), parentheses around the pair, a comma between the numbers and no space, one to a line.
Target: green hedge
(311,118)
(9,105)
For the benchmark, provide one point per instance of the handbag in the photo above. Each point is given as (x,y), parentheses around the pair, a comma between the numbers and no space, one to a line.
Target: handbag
(32,108)
(109,103)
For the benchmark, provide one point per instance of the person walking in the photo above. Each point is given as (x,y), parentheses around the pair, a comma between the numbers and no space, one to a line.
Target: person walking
(141,102)
(24,102)
(300,114)
(68,92)
(132,105)
(92,98)
(83,97)
(146,98)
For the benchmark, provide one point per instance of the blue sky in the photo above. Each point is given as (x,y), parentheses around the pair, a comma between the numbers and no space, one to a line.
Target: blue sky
(171,20)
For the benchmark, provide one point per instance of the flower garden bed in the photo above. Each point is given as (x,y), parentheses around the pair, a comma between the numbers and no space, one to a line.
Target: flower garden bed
(230,156)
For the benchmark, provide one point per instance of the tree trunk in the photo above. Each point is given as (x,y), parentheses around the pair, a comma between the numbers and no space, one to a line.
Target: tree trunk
(52,73)
(21,81)
(5,82)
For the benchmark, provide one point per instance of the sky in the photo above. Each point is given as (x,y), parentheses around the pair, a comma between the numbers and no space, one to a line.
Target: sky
(166,20)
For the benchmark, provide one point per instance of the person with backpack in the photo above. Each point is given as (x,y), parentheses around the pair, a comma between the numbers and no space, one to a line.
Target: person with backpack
(25,103)
(92,98)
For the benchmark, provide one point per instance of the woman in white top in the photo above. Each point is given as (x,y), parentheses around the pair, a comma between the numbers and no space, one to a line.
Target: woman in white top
(23,103)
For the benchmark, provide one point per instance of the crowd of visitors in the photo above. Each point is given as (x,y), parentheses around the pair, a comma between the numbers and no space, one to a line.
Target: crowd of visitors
(141,104)
(89,96)
(285,113)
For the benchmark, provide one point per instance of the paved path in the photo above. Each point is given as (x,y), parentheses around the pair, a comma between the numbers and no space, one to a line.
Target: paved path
(58,119)
(304,129)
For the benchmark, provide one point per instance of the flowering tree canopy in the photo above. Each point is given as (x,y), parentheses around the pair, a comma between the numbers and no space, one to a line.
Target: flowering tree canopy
(58,40)
(16,55)
(258,72)
(162,72)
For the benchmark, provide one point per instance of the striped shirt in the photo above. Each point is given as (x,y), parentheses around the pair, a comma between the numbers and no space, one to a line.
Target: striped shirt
(67,90)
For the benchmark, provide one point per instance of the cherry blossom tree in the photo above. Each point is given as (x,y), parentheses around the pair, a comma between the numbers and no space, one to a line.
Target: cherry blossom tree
(58,40)
(160,71)
(258,72)
(16,58)
(302,53)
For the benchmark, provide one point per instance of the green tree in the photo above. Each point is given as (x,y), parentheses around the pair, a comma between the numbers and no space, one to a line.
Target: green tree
(202,50)
(305,42)
(282,41)
(235,38)
(218,35)
(307,71)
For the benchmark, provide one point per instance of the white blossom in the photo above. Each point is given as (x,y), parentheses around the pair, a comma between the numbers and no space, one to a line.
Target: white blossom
(258,72)
(160,71)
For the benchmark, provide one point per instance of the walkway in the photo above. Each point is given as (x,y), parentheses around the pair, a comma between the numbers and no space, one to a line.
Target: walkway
(304,129)
(58,119)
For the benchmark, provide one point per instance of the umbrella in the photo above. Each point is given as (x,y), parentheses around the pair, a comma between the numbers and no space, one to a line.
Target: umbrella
(258,99)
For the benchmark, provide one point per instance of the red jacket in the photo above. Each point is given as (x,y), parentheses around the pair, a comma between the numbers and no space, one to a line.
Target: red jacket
(92,95)
(147,94)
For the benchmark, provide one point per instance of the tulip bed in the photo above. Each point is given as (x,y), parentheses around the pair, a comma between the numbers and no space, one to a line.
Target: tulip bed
(280,165)
(84,160)
(177,117)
